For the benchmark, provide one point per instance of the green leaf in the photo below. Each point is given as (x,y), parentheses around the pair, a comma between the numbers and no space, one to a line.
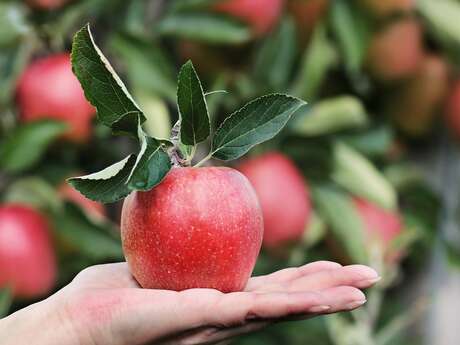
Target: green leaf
(339,212)
(351,27)
(376,141)
(6,299)
(275,58)
(27,144)
(13,23)
(151,166)
(205,27)
(152,71)
(442,18)
(33,191)
(360,177)
(329,116)
(108,185)
(319,57)
(258,121)
(72,226)
(158,123)
(102,86)
(194,126)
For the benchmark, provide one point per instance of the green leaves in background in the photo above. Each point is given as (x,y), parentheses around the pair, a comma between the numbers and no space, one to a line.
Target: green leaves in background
(6,298)
(102,86)
(153,71)
(329,116)
(352,29)
(13,24)
(194,126)
(205,27)
(253,124)
(275,58)
(359,176)
(337,209)
(74,228)
(442,18)
(108,185)
(25,146)
(318,59)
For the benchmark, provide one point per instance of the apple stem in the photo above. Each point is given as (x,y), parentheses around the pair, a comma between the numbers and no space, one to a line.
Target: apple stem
(204,160)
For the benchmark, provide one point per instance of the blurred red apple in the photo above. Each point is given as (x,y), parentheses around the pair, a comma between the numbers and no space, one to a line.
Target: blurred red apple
(92,208)
(49,89)
(27,261)
(283,196)
(453,109)
(261,15)
(199,228)
(306,14)
(381,226)
(396,51)
(47,4)
(414,104)
(383,8)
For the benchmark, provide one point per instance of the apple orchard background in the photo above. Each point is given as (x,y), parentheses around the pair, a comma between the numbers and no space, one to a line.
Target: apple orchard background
(377,146)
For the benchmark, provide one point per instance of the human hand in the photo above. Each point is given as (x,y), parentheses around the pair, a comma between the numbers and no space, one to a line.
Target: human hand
(104,305)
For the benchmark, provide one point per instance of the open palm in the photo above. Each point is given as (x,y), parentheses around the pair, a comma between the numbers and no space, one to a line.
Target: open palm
(106,305)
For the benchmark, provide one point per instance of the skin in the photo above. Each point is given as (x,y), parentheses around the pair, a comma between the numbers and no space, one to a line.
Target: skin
(104,305)
(62,99)
(283,196)
(261,15)
(200,227)
(27,261)
(389,64)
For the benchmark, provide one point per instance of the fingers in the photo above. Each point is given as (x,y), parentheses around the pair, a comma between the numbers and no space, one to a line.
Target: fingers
(355,275)
(115,275)
(289,274)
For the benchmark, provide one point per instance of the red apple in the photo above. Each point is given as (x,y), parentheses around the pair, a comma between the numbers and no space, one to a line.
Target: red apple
(383,8)
(49,89)
(453,109)
(92,208)
(414,104)
(306,14)
(283,196)
(47,4)
(381,226)
(261,15)
(27,261)
(199,228)
(397,51)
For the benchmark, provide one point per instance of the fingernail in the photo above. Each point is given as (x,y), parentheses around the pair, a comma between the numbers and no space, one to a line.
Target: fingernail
(354,305)
(370,281)
(319,308)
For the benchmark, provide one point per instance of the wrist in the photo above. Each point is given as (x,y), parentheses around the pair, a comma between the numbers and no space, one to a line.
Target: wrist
(42,323)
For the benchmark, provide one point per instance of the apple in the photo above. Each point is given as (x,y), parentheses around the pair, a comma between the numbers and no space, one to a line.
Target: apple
(414,104)
(48,89)
(199,228)
(396,51)
(283,196)
(261,15)
(27,260)
(306,14)
(380,226)
(47,4)
(453,109)
(92,208)
(383,8)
